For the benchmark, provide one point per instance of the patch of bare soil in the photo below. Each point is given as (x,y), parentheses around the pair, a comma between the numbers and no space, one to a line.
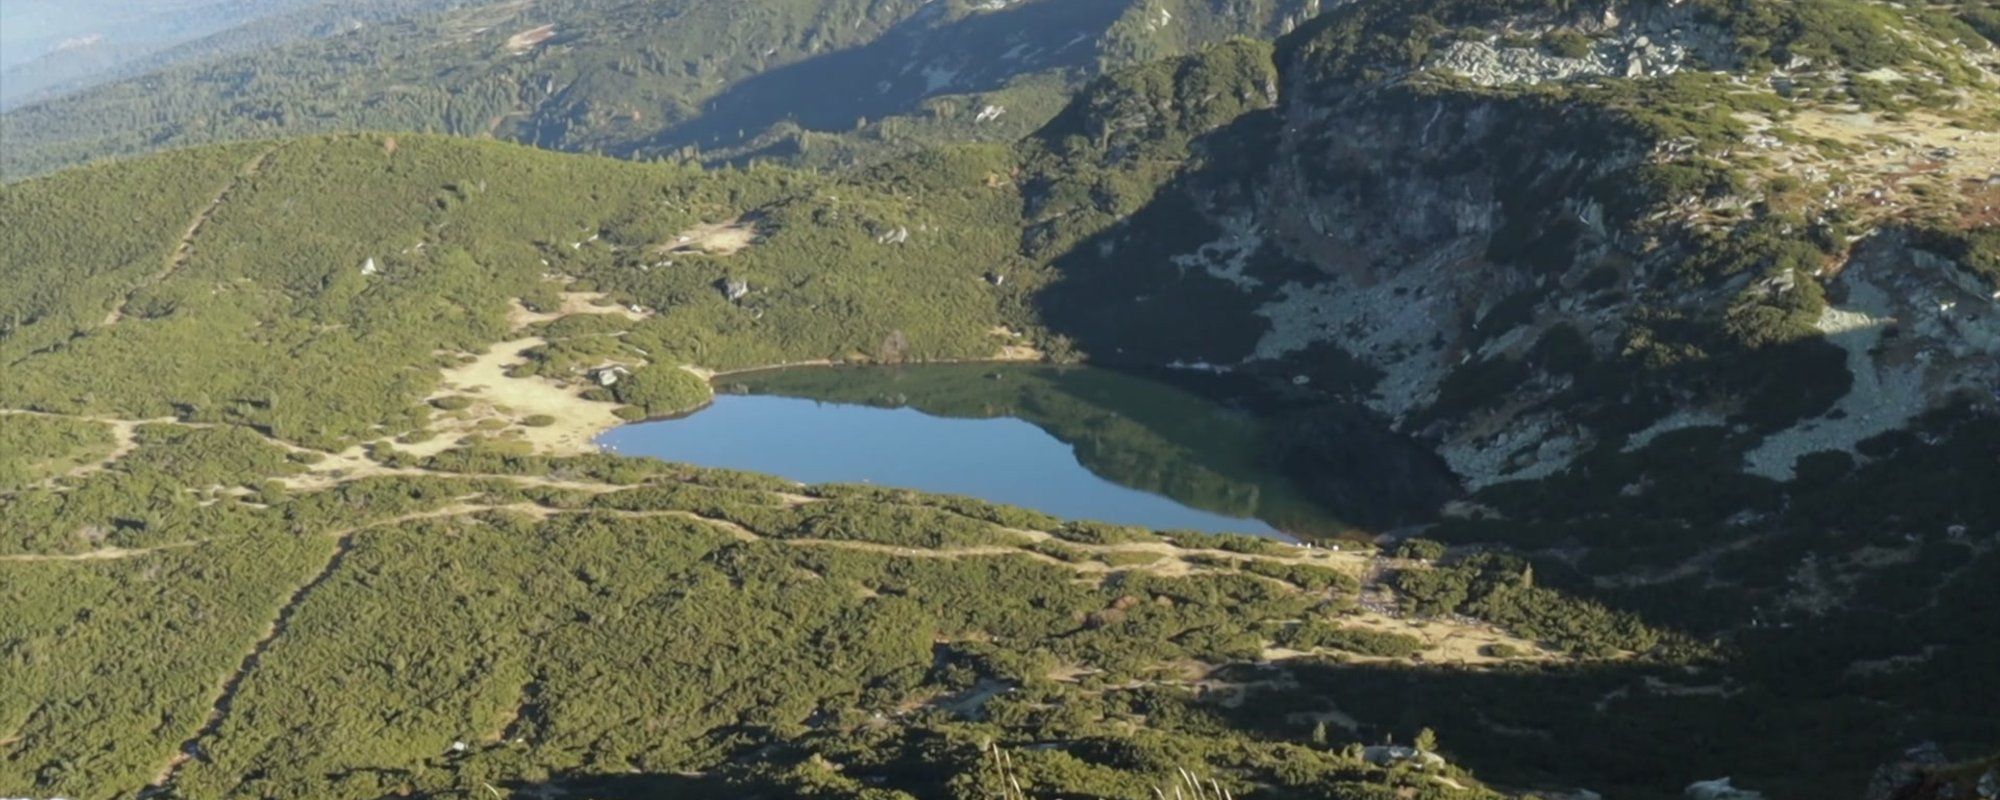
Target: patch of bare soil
(715,239)
(502,404)
(527,40)
(100,554)
(520,316)
(1015,347)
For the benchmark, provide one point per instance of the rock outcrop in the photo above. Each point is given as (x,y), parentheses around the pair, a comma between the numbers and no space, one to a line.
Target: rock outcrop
(1483,250)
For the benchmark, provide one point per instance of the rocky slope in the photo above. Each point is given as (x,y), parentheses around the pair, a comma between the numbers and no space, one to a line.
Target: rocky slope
(1538,232)
(1699,299)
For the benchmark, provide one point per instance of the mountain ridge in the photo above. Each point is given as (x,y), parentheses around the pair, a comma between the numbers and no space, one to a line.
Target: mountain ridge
(1470,218)
(598,78)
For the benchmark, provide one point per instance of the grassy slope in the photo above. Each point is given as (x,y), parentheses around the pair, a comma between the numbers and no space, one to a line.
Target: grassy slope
(584,620)
(267,318)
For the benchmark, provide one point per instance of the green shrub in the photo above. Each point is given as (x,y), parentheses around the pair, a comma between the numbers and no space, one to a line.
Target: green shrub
(1985,21)
(1420,549)
(1569,44)
(1361,641)
(660,390)
(1305,576)
(1128,558)
(1089,532)
(33,447)
(209,456)
(1500,589)
(1060,552)
(1976,251)
(1231,542)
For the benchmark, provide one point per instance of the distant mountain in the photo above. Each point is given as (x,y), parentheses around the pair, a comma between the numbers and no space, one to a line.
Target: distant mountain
(46,45)
(647,79)
(115,49)
(32,28)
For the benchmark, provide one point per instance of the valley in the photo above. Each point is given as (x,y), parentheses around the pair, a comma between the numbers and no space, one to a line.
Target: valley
(1623,376)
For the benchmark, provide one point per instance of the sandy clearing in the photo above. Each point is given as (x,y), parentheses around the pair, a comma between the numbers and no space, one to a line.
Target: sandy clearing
(1014,346)
(715,238)
(526,40)
(519,316)
(330,470)
(502,403)
(100,554)
(498,396)
(1446,640)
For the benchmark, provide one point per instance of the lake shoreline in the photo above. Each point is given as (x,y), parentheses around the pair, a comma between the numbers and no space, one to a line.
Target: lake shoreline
(1003,358)
(1097,432)
(711,376)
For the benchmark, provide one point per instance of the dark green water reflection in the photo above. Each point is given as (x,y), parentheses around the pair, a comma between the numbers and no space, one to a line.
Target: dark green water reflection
(1132,431)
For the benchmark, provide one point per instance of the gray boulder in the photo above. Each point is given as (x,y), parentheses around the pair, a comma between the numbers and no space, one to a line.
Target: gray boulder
(1719,789)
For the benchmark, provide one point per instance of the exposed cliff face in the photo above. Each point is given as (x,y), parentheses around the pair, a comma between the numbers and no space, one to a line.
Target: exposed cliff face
(1915,331)
(1534,254)
(1452,231)
(1398,200)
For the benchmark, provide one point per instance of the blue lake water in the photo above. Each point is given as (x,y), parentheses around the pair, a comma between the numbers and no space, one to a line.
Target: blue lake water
(995,457)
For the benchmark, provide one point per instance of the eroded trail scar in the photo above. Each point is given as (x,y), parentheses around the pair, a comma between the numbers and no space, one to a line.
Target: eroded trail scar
(225,696)
(184,249)
(102,554)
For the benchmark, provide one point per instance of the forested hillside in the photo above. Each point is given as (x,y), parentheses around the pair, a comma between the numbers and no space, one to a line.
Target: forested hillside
(270,471)
(1700,300)
(677,79)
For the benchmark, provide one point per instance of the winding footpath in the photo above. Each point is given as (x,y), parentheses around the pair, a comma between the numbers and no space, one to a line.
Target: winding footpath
(1088,561)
